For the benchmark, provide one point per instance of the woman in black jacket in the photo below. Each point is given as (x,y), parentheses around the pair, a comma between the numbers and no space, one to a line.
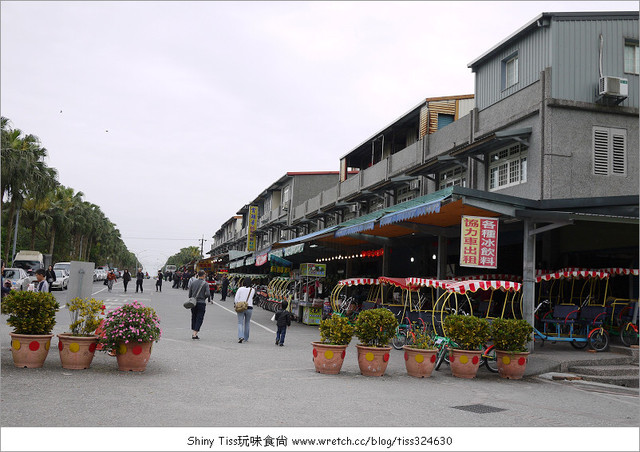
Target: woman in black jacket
(126,277)
(50,276)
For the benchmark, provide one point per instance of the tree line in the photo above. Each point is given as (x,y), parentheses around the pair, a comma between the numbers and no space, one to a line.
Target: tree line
(52,218)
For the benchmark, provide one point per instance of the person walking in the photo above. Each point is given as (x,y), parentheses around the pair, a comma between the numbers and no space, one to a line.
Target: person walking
(159,281)
(244,293)
(126,277)
(139,279)
(176,280)
(283,320)
(200,291)
(111,278)
(41,285)
(50,276)
(224,288)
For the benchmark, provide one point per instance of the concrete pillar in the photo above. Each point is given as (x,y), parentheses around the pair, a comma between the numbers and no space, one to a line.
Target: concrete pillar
(528,275)
(386,260)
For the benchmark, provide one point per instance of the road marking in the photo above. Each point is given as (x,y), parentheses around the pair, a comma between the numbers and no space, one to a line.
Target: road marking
(252,321)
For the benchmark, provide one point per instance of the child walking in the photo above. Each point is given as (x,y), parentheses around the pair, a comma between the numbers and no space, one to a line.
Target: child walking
(283,320)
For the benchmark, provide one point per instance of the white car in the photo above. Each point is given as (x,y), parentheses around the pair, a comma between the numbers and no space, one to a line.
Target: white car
(19,278)
(62,280)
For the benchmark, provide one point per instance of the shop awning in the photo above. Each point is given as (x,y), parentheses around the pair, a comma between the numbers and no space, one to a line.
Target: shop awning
(307,237)
(425,208)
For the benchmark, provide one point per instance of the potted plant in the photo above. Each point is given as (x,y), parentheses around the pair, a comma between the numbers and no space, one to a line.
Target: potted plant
(510,337)
(32,316)
(374,328)
(469,334)
(335,335)
(420,356)
(130,331)
(78,347)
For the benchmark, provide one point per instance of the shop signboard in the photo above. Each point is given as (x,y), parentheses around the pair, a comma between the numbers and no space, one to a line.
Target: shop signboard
(312,316)
(479,242)
(251,230)
(317,270)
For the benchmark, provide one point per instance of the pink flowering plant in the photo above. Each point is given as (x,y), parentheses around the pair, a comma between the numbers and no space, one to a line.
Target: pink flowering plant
(132,322)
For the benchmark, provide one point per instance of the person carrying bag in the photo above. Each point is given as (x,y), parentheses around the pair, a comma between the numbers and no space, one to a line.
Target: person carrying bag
(200,296)
(243,304)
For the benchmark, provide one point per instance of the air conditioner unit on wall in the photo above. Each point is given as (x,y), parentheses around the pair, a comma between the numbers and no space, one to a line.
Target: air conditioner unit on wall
(354,208)
(613,86)
(414,184)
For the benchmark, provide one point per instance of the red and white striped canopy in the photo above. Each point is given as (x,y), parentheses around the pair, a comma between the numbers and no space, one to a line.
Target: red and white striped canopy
(621,271)
(494,277)
(475,285)
(398,282)
(358,281)
(428,282)
(574,274)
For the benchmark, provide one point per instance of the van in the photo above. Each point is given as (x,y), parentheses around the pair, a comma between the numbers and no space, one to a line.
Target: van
(29,261)
(66,266)
(170,268)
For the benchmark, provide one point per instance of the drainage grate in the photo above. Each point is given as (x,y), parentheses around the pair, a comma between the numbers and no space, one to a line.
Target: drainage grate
(481,409)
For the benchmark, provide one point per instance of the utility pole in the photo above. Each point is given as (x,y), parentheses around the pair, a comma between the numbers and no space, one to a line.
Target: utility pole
(202,240)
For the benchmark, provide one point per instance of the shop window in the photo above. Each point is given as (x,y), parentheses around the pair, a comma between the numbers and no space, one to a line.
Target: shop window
(508,167)
(454,177)
(609,151)
(631,56)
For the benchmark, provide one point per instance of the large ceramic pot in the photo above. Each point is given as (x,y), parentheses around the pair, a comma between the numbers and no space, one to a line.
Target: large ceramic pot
(464,363)
(419,362)
(30,350)
(76,352)
(133,356)
(373,360)
(511,364)
(327,358)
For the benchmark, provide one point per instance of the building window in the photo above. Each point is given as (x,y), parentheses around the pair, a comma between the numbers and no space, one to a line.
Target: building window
(631,56)
(508,167)
(405,193)
(455,176)
(609,151)
(285,195)
(510,71)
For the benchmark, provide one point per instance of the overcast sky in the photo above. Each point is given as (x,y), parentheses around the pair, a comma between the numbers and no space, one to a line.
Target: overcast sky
(173,115)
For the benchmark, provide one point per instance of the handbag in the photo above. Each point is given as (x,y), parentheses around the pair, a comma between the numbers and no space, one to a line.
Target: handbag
(242,306)
(191,302)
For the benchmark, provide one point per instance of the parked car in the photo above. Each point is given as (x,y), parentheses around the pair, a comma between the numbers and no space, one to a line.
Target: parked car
(19,278)
(66,266)
(62,280)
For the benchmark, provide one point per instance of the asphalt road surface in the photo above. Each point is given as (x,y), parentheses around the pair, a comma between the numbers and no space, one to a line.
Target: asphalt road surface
(217,382)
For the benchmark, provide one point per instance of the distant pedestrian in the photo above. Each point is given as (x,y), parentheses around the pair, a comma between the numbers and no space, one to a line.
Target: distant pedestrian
(186,276)
(224,288)
(159,281)
(176,280)
(244,293)
(111,278)
(200,291)
(41,285)
(191,280)
(5,289)
(283,320)
(50,276)
(139,279)
(126,277)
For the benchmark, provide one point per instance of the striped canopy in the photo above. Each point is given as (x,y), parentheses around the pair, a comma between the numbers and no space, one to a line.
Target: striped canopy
(475,285)
(621,271)
(428,282)
(575,274)
(358,281)
(494,277)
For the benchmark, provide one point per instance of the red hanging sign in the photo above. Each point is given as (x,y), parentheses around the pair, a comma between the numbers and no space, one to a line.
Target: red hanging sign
(479,242)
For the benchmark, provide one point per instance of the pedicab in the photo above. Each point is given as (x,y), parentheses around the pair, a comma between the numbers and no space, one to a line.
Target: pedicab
(577,316)
(463,289)
(622,313)
(349,305)
(491,304)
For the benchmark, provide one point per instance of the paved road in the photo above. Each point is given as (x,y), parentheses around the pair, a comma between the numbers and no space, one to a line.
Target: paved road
(218,382)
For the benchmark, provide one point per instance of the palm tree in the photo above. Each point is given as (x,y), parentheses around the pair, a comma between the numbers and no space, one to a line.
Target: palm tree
(61,201)
(23,172)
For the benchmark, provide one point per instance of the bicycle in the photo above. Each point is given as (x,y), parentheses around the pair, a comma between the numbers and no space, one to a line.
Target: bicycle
(488,357)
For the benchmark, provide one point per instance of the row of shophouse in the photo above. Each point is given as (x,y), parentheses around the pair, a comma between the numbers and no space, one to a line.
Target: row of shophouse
(547,145)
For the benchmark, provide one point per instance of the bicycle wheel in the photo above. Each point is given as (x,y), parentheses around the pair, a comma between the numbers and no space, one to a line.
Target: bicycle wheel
(599,340)
(399,340)
(490,360)
(628,335)
(442,355)
(579,344)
